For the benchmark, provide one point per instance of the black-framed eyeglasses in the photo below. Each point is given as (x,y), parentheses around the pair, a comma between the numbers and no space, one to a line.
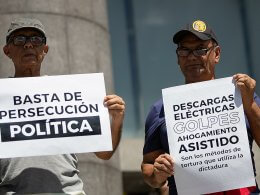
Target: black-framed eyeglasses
(20,40)
(196,52)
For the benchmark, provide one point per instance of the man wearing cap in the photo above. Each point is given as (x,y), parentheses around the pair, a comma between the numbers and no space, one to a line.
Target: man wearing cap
(198,52)
(26,47)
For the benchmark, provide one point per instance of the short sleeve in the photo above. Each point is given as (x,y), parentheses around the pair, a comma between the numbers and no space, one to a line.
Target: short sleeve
(152,128)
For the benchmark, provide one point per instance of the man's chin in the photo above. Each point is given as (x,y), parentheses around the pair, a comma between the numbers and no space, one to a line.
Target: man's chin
(30,64)
(193,77)
(195,73)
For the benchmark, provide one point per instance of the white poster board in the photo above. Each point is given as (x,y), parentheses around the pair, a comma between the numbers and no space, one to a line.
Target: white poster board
(207,137)
(53,115)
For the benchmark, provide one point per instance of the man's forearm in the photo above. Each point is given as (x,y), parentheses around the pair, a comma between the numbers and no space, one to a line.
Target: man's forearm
(116,131)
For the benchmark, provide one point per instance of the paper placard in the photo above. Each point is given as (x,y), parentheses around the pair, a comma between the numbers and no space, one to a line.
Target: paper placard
(207,137)
(53,115)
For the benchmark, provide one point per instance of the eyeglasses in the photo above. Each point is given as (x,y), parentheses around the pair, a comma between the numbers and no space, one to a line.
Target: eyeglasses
(21,40)
(195,52)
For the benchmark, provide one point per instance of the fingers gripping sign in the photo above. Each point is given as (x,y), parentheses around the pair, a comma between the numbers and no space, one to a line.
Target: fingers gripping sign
(115,105)
(163,167)
(247,87)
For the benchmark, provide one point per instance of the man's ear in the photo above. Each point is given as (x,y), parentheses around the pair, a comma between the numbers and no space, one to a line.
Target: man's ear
(6,51)
(45,49)
(217,54)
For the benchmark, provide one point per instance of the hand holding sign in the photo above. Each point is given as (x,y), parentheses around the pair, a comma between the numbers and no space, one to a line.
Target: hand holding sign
(163,167)
(116,107)
(247,87)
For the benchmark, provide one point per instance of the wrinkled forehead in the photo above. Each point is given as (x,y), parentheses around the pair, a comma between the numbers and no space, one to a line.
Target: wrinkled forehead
(27,32)
(191,40)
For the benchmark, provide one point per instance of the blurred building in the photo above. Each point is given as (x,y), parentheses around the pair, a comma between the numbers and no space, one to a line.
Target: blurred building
(144,60)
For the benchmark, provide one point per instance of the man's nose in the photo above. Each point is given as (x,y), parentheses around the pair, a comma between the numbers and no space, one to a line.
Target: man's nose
(191,56)
(28,44)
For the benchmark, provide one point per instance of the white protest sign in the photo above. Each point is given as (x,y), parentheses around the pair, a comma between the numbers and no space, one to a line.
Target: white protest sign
(53,115)
(207,137)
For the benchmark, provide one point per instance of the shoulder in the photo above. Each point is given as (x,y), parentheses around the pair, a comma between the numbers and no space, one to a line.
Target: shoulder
(153,128)
(156,112)
(157,106)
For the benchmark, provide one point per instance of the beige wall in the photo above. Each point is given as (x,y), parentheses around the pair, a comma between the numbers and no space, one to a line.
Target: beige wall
(78,37)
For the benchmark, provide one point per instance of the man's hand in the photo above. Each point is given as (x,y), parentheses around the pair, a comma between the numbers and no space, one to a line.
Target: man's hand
(156,167)
(163,168)
(247,88)
(116,107)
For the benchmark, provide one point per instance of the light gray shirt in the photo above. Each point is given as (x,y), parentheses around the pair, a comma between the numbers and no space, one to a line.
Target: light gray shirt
(40,174)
